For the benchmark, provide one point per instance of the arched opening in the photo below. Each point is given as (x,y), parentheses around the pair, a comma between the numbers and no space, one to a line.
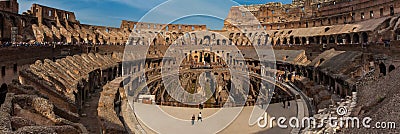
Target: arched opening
(382,68)
(291,40)
(331,39)
(304,40)
(324,40)
(14,22)
(207,58)
(364,37)
(285,41)
(3,93)
(15,68)
(278,42)
(340,39)
(391,68)
(266,39)
(356,38)
(297,40)
(311,40)
(318,39)
(155,41)
(347,39)
(272,41)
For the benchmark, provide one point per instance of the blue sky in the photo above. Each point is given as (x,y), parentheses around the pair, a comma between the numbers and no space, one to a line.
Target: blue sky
(111,12)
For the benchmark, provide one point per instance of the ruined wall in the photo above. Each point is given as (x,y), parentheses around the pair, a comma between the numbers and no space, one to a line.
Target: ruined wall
(15,59)
(9,6)
(304,14)
(32,114)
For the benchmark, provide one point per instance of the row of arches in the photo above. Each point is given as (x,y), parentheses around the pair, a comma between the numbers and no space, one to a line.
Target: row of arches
(21,23)
(354,38)
(384,70)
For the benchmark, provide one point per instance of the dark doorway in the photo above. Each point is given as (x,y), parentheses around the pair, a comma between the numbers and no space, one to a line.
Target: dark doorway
(331,39)
(391,68)
(15,68)
(356,38)
(391,10)
(324,40)
(207,58)
(3,70)
(278,42)
(348,38)
(311,39)
(304,40)
(3,93)
(382,68)
(364,37)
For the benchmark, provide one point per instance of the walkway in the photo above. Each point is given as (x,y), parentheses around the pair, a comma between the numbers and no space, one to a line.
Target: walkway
(90,121)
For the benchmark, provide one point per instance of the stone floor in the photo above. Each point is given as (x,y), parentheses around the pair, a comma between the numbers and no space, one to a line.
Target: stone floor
(90,120)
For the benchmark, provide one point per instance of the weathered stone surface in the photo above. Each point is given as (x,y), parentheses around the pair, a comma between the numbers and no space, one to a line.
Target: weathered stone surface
(32,114)
(19,122)
(108,118)
(5,122)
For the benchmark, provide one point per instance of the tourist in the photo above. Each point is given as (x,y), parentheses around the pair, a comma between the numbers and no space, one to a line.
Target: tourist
(284,103)
(193,118)
(199,118)
(288,104)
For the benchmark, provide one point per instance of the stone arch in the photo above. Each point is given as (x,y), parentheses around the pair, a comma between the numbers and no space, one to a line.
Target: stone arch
(266,39)
(382,68)
(291,41)
(278,42)
(340,39)
(207,39)
(14,21)
(324,40)
(318,39)
(272,41)
(311,40)
(348,38)
(285,41)
(364,36)
(3,93)
(297,40)
(356,38)
(391,68)
(331,39)
(304,40)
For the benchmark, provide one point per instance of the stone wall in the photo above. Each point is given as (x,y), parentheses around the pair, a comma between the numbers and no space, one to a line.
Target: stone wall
(107,115)
(9,6)
(15,59)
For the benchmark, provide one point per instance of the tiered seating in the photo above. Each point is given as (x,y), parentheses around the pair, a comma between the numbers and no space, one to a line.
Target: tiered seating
(66,73)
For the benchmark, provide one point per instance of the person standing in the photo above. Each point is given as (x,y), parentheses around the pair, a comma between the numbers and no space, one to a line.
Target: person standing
(284,103)
(288,104)
(193,118)
(199,118)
